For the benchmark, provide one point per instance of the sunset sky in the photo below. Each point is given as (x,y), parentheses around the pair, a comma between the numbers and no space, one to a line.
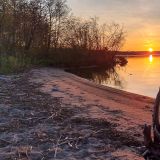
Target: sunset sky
(141,19)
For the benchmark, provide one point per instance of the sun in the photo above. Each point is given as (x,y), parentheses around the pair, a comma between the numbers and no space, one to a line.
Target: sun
(150,49)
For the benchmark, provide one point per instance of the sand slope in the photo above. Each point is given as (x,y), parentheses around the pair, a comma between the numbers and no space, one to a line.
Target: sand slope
(128,112)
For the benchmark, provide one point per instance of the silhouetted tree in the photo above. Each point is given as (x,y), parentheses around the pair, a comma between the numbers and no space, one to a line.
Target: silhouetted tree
(34,25)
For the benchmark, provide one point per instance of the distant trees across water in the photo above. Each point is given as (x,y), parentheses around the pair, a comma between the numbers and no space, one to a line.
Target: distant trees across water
(46,28)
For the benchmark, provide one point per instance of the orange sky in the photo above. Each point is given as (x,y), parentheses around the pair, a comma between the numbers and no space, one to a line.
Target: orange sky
(141,19)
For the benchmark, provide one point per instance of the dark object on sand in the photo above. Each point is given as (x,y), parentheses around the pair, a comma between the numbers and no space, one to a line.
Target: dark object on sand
(152,143)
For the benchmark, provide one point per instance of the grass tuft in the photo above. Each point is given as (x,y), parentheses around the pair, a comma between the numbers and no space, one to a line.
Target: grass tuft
(12,64)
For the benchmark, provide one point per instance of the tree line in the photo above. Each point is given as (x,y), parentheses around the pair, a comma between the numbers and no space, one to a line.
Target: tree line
(45,27)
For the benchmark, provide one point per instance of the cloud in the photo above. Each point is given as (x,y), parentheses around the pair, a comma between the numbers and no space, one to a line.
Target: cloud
(118,8)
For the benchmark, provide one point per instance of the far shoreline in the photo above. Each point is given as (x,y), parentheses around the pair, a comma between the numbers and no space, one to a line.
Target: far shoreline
(137,53)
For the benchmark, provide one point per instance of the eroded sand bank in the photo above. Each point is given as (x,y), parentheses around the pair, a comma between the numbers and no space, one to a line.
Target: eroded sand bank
(50,114)
(128,112)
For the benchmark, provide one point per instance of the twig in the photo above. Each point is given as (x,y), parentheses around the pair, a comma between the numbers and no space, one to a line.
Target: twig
(56,149)
(5,141)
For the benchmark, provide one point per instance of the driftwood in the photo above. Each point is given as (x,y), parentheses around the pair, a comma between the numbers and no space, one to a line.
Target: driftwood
(152,141)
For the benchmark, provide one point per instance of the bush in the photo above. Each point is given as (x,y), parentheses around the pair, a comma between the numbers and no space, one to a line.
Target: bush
(10,64)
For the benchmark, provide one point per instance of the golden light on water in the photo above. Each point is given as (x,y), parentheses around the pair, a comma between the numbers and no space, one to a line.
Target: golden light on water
(151,58)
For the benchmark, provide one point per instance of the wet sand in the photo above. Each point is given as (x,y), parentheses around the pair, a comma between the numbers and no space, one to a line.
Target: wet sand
(58,115)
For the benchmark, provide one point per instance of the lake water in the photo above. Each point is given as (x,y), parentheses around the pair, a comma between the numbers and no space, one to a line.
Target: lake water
(141,75)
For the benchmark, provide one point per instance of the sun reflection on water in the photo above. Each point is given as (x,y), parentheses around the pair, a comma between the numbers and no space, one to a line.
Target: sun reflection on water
(151,58)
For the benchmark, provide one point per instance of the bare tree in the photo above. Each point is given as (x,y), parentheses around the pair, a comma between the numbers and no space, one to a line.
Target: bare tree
(57,11)
(88,34)
(27,25)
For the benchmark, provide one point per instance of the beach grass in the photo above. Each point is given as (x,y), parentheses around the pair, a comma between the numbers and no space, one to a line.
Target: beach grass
(12,64)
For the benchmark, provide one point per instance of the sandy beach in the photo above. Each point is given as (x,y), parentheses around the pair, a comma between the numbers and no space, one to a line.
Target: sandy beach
(51,114)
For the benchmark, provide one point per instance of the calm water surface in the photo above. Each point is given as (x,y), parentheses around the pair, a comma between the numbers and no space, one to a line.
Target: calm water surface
(141,75)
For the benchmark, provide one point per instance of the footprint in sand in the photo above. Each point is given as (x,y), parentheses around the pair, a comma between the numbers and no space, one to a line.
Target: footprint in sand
(96,100)
(55,90)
